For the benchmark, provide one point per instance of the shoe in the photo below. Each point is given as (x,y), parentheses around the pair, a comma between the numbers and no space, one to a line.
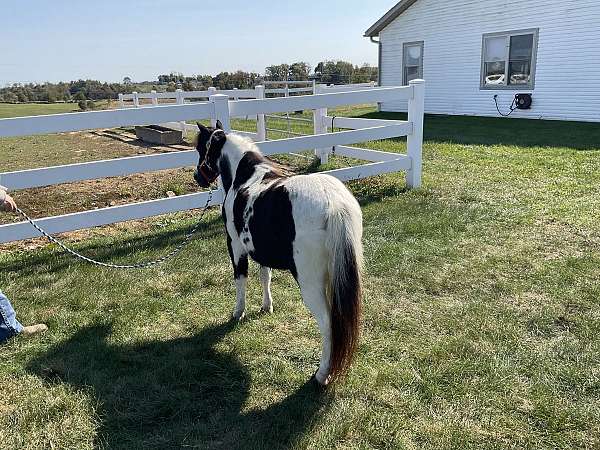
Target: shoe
(34,329)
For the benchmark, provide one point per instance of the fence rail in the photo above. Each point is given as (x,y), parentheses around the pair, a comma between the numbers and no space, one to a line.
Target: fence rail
(218,107)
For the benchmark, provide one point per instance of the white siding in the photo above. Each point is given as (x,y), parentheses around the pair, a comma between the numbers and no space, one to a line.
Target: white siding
(567,79)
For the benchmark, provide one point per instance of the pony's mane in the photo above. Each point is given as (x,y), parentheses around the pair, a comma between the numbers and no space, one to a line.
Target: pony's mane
(247,145)
(281,170)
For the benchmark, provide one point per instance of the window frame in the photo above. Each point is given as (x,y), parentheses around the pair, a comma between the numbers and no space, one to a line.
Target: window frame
(508,35)
(422,59)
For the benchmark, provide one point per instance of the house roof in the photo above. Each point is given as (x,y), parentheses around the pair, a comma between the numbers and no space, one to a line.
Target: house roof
(389,17)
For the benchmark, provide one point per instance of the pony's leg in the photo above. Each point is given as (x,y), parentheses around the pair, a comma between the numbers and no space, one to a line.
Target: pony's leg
(316,301)
(265,281)
(312,275)
(239,259)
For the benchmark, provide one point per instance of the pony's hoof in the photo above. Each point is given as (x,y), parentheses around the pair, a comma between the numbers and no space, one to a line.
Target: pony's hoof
(238,317)
(321,385)
(265,310)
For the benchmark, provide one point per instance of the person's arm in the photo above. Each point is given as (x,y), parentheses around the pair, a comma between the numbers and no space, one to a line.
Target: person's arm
(6,201)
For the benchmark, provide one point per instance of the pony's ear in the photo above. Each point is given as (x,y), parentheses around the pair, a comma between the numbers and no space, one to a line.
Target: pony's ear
(204,132)
(219,125)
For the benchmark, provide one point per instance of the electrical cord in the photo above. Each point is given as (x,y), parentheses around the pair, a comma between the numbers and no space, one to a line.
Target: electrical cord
(513,106)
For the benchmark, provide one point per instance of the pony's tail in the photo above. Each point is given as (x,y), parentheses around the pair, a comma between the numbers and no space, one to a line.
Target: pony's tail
(344,242)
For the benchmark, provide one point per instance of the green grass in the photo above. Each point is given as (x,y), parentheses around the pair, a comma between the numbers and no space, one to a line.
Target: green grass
(481,327)
(35,109)
(8,110)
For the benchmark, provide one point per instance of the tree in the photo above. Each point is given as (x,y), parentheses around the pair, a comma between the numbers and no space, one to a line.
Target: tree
(299,71)
(343,72)
(278,73)
(127,81)
(365,74)
(79,96)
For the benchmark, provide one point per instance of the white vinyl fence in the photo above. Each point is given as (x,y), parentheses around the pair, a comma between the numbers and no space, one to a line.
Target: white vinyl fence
(271,89)
(217,108)
(289,88)
(181,97)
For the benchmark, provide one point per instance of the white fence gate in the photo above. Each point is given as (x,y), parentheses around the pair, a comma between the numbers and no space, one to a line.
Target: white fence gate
(217,108)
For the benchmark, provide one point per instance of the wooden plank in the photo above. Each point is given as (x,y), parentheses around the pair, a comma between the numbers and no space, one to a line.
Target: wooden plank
(106,216)
(61,123)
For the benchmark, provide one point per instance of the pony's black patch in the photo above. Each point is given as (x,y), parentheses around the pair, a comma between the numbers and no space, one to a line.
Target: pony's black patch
(226,175)
(239,206)
(247,167)
(240,268)
(273,229)
(270,176)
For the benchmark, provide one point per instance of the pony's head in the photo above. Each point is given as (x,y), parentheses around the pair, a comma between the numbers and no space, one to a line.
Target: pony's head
(209,144)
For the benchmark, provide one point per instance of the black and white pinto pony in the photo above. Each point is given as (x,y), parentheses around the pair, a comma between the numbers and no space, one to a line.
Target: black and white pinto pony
(310,225)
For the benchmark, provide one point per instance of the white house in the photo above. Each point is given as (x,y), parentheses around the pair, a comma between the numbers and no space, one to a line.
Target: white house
(470,51)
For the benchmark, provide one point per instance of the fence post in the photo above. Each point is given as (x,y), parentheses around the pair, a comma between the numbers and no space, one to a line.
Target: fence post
(212,91)
(180,101)
(121,101)
(136,100)
(154,98)
(221,104)
(261,126)
(414,141)
(320,126)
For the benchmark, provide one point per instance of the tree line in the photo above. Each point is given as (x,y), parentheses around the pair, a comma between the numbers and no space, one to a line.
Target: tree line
(81,91)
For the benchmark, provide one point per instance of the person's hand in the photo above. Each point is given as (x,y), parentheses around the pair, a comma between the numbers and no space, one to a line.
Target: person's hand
(9,204)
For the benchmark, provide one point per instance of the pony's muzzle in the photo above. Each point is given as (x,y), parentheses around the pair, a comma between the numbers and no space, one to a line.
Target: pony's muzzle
(204,176)
(200,180)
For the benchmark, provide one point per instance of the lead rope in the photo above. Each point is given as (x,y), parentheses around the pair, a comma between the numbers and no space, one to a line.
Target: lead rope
(145,265)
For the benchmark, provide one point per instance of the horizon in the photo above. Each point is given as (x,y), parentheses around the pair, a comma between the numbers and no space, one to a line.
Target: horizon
(139,40)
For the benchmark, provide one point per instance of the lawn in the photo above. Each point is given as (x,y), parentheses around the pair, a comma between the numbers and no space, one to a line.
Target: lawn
(36,109)
(481,327)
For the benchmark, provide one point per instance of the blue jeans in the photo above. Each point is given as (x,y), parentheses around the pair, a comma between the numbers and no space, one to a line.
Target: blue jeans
(9,325)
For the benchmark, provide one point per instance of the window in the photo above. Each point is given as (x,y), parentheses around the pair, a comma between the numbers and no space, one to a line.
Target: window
(412,61)
(508,60)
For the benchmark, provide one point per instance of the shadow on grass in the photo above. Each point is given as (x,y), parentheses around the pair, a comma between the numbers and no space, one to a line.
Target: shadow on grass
(120,136)
(501,131)
(177,393)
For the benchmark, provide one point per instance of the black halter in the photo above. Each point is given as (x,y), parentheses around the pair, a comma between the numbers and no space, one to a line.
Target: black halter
(208,174)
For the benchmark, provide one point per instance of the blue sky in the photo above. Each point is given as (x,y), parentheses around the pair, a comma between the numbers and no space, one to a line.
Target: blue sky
(42,40)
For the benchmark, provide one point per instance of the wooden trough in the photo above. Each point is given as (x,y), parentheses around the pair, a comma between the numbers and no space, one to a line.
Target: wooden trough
(155,134)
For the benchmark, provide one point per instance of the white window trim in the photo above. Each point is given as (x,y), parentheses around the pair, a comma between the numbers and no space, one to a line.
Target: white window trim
(412,44)
(512,87)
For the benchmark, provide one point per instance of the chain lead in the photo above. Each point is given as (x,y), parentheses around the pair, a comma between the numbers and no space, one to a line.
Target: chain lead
(145,265)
